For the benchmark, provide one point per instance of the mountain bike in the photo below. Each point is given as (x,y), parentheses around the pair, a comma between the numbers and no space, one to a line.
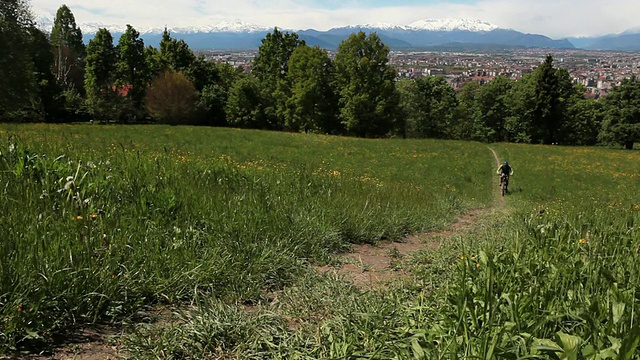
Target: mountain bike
(504,184)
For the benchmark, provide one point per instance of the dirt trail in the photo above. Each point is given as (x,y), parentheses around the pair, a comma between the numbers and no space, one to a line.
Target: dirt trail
(369,266)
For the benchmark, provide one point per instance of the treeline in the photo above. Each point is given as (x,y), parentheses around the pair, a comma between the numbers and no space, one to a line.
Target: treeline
(292,87)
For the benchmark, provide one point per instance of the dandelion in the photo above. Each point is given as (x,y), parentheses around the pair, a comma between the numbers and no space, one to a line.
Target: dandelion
(462,257)
(93,216)
(477,264)
(79,217)
(583,241)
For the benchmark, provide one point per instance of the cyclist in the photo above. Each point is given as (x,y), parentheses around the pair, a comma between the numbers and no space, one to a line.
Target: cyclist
(505,170)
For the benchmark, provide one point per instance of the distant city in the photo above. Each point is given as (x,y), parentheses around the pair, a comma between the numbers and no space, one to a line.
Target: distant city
(598,71)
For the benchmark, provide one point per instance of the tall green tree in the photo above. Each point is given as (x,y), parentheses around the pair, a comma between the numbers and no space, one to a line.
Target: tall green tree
(621,124)
(17,79)
(155,63)
(69,49)
(522,102)
(547,114)
(214,97)
(586,117)
(311,104)
(131,71)
(365,83)
(464,127)
(272,62)
(100,76)
(50,101)
(246,104)
(493,109)
(271,66)
(176,53)
(438,102)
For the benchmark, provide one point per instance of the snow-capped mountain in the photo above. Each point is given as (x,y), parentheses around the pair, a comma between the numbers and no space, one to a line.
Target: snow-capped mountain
(419,34)
(381,26)
(228,27)
(452,25)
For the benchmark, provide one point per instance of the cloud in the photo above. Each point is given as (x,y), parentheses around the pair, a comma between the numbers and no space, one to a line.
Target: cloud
(555,18)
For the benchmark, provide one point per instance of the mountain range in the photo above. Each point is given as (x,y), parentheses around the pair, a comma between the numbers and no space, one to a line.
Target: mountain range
(422,34)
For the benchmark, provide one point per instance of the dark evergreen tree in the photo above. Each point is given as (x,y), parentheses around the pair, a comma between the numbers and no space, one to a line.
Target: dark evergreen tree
(547,115)
(17,77)
(100,76)
(176,54)
(131,73)
(51,101)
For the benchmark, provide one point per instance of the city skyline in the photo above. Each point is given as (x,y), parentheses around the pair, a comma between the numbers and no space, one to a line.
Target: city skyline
(556,19)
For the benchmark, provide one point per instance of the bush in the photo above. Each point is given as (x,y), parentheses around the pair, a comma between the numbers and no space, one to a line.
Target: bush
(171,98)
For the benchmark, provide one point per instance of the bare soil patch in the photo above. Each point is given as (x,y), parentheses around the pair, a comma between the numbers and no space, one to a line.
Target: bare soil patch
(373,266)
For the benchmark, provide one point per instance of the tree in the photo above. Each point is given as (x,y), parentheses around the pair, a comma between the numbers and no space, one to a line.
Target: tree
(621,123)
(202,73)
(176,54)
(17,80)
(100,75)
(171,98)
(155,63)
(366,85)
(69,49)
(131,71)
(51,102)
(214,97)
(464,128)
(436,104)
(492,109)
(272,62)
(586,120)
(547,115)
(246,105)
(311,104)
(521,100)
(271,66)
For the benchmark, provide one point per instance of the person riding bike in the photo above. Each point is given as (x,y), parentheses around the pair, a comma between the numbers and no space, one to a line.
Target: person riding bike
(505,170)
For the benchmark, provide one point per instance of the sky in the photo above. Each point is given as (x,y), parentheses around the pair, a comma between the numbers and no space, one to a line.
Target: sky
(553,18)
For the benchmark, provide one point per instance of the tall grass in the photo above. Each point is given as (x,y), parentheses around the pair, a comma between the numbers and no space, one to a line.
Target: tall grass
(100,221)
(551,275)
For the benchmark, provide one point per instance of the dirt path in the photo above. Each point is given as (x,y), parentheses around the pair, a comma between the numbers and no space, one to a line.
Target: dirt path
(369,266)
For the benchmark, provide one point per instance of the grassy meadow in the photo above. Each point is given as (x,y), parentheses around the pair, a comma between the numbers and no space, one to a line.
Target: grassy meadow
(100,221)
(222,225)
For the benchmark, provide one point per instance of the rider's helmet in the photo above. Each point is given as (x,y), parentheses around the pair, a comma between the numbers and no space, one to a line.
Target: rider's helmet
(506,163)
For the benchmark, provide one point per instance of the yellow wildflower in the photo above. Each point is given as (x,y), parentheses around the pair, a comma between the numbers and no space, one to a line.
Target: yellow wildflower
(583,241)
(93,216)
(79,217)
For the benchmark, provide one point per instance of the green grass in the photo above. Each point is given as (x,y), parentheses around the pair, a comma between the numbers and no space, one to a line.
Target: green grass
(552,274)
(228,221)
(100,221)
